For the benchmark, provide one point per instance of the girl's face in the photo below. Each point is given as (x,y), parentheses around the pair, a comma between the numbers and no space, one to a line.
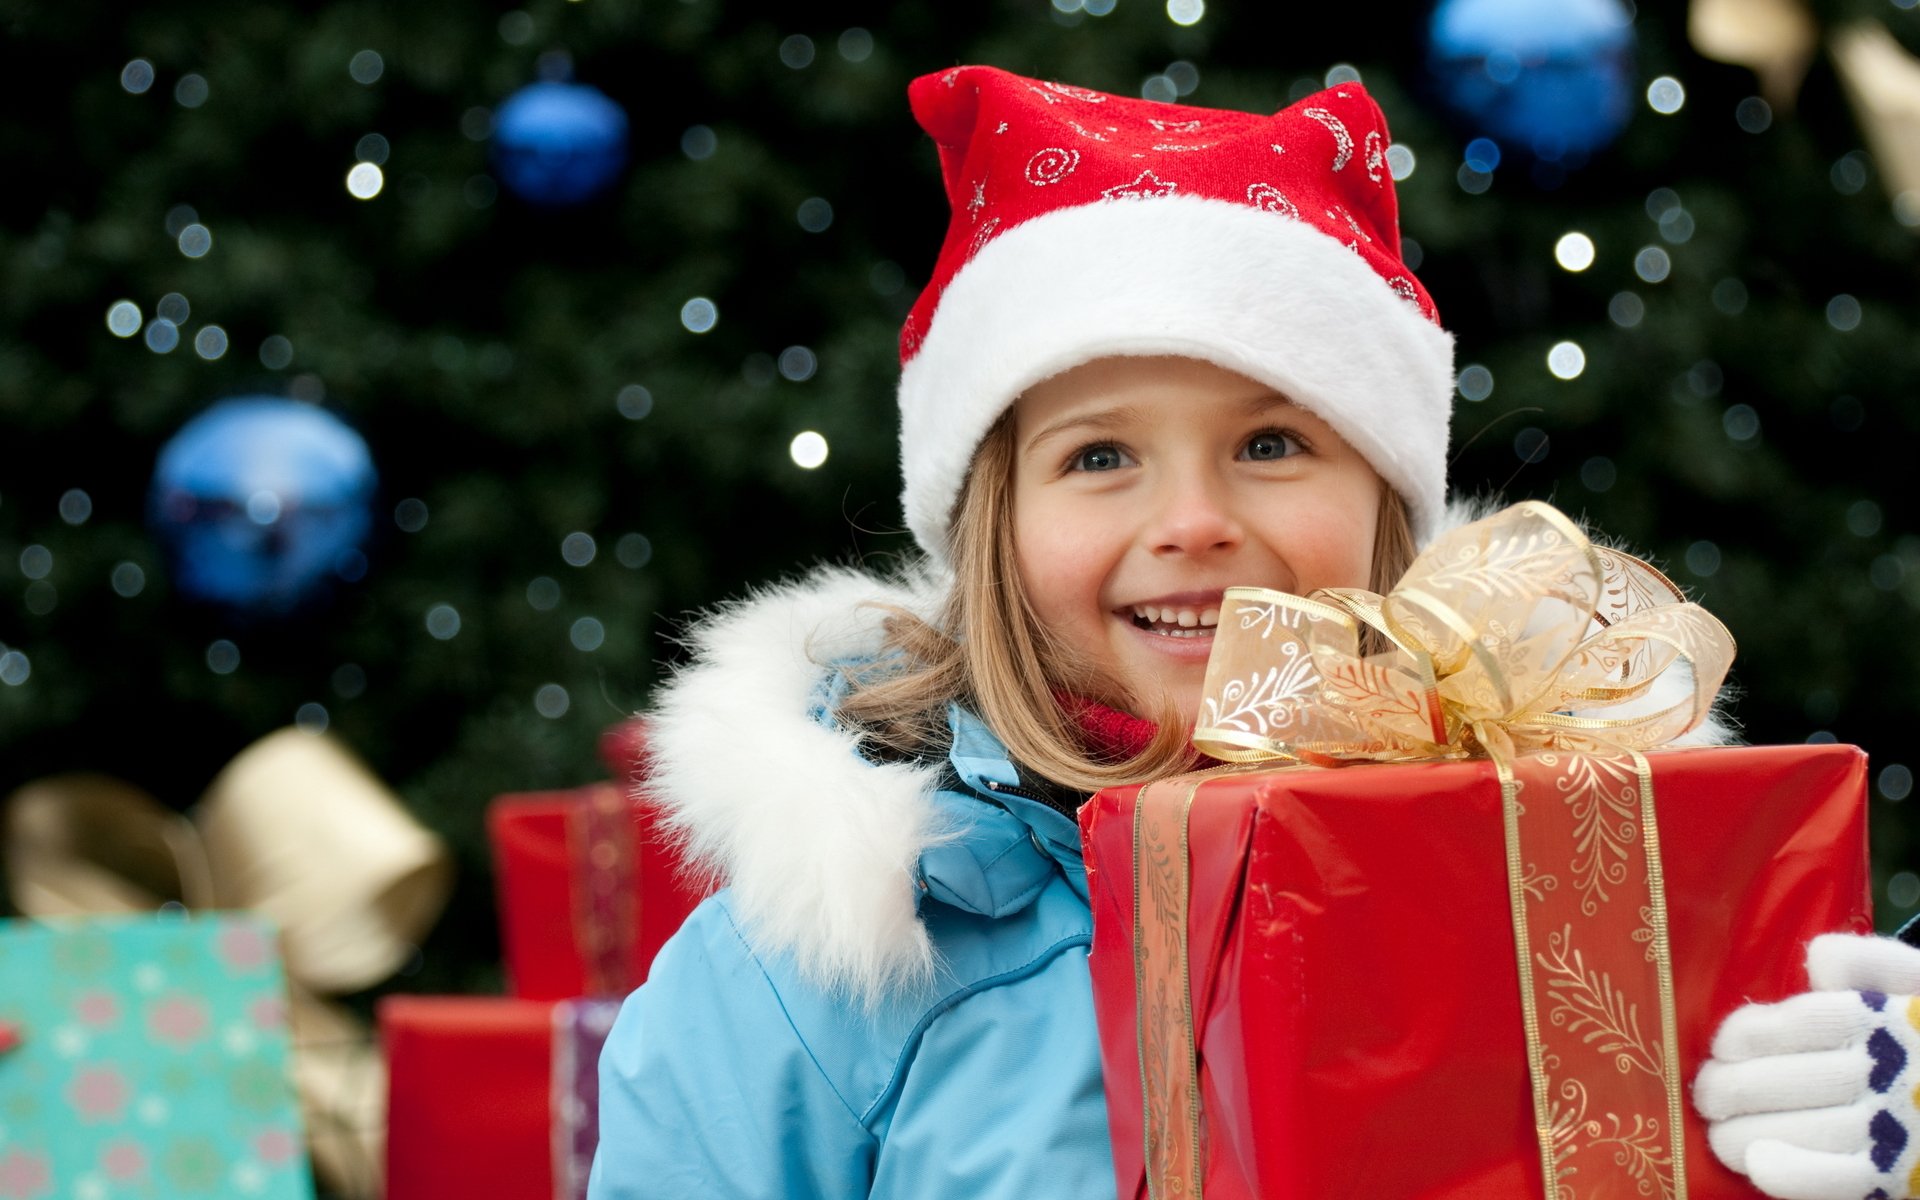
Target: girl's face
(1145,487)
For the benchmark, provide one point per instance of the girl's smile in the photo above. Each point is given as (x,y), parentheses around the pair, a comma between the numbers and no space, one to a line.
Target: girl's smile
(1143,488)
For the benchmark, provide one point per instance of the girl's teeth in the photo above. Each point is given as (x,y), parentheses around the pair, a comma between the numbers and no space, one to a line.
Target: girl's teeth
(1177,622)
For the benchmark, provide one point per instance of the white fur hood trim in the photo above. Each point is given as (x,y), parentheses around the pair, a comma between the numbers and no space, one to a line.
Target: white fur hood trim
(820,846)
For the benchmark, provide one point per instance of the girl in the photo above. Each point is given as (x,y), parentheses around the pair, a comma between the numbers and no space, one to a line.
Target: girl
(1164,351)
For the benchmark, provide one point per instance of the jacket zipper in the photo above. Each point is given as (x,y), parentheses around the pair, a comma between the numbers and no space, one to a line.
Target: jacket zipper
(1051,802)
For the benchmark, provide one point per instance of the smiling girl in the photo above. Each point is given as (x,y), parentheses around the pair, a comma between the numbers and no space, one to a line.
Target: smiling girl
(1164,351)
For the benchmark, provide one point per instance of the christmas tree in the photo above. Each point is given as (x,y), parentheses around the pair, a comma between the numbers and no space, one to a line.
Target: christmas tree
(594,411)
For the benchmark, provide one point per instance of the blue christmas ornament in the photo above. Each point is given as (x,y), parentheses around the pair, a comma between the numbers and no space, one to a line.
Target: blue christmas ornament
(558,144)
(261,501)
(1553,78)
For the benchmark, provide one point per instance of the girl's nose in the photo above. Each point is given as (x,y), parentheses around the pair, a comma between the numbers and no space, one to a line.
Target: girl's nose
(1194,517)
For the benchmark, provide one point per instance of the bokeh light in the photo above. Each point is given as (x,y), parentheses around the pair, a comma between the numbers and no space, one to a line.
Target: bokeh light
(123,318)
(699,142)
(1666,95)
(1475,382)
(856,44)
(587,634)
(577,549)
(808,450)
(699,315)
(1566,360)
(128,580)
(1574,251)
(551,701)
(633,551)
(1703,559)
(814,214)
(443,622)
(223,657)
(1186,12)
(364,181)
(195,240)
(191,91)
(797,51)
(162,335)
(634,402)
(797,363)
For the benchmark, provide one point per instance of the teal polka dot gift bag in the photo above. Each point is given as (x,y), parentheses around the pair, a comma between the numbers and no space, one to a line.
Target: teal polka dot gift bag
(146,1057)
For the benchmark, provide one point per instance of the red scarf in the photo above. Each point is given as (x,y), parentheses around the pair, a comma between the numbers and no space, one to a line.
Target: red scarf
(1110,735)
(1107,733)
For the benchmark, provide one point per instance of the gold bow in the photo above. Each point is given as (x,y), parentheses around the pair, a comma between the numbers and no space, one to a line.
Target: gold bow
(296,829)
(1517,639)
(1509,634)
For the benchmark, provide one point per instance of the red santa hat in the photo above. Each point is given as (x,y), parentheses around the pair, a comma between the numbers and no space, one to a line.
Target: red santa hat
(1087,225)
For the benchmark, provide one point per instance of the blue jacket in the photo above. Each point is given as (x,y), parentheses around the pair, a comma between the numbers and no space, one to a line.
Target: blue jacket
(759,1060)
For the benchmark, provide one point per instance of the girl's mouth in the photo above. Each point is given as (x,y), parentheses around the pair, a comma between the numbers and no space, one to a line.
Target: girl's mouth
(1176,622)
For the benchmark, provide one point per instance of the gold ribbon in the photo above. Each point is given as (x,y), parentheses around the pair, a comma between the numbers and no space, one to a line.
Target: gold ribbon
(1518,640)
(294,828)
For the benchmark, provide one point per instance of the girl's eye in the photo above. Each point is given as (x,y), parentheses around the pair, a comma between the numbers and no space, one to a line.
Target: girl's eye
(1103,457)
(1271,446)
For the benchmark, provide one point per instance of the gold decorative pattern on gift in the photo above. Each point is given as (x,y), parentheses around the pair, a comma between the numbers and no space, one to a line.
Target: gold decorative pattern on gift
(1514,639)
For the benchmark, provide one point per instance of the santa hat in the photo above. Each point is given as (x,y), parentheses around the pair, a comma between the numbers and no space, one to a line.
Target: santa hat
(1087,225)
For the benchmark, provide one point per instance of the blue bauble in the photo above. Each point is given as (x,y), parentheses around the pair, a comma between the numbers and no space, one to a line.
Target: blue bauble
(1554,78)
(558,144)
(260,502)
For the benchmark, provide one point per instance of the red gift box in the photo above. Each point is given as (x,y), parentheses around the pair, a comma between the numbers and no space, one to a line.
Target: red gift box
(1351,957)
(588,891)
(491,1096)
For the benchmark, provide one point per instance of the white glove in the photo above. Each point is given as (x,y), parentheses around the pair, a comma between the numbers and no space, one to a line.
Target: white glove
(1813,1098)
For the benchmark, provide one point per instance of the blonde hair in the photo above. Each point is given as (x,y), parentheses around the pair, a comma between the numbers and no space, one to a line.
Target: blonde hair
(986,648)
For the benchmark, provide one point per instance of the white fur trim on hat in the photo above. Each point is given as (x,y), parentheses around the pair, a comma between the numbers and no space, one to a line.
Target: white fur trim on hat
(1264,295)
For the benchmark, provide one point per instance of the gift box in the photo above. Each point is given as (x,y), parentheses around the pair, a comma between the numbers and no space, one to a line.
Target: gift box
(588,891)
(492,1096)
(1353,989)
(148,1057)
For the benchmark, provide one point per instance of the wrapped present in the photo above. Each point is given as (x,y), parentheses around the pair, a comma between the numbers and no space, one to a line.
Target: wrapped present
(1353,989)
(150,1058)
(588,891)
(295,828)
(492,1096)
(1488,960)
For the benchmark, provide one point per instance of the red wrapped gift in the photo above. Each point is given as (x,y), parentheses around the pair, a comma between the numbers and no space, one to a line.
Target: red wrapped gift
(1354,993)
(588,891)
(490,1096)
